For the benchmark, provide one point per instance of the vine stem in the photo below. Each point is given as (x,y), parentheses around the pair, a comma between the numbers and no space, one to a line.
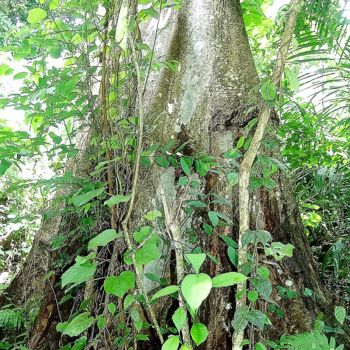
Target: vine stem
(249,157)
(111,18)
(174,227)
(125,223)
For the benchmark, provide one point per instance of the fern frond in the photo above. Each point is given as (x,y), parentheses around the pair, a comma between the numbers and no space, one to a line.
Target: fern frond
(305,341)
(11,319)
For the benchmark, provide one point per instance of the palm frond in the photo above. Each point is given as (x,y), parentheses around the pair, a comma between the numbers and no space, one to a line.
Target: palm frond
(323,37)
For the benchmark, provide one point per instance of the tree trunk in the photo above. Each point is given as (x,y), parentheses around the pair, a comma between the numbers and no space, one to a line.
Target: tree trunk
(35,286)
(206,102)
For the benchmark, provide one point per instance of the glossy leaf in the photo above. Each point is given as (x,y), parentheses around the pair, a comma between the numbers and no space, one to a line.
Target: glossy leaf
(102,239)
(179,318)
(119,198)
(199,333)
(196,260)
(228,279)
(195,289)
(36,15)
(86,197)
(172,343)
(77,325)
(119,285)
(165,291)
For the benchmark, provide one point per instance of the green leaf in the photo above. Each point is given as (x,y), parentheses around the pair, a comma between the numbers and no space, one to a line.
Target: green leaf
(232,154)
(232,179)
(255,237)
(36,15)
(165,291)
(183,181)
(340,314)
(207,229)
(199,333)
(233,255)
(262,285)
(162,162)
(129,299)
(119,285)
(308,292)
(202,168)
(101,322)
(229,241)
(214,218)
(102,239)
(196,204)
(225,218)
(305,341)
(279,250)
(148,13)
(5,69)
(260,346)
(55,138)
(263,272)
(119,198)
(253,296)
(55,52)
(195,289)
(83,259)
(179,318)
(4,165)
(186,169)
(196,260)
(152,215)
(228,279)
(269,183)
(172,343)
(142,234)
(240,142)
(147,253)
(239,321)
(79,273)
(86,197)
(257,318)
(78,325)
(112,308)
(20,76)
(54,4)
(268,91)
(293,80)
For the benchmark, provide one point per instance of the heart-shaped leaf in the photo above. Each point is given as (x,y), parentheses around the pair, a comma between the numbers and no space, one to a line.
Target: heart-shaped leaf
(119,285)
(195,289)
(199,333)
(196,260)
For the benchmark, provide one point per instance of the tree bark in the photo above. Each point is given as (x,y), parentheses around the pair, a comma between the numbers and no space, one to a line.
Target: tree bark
(35,286)
(206,102)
